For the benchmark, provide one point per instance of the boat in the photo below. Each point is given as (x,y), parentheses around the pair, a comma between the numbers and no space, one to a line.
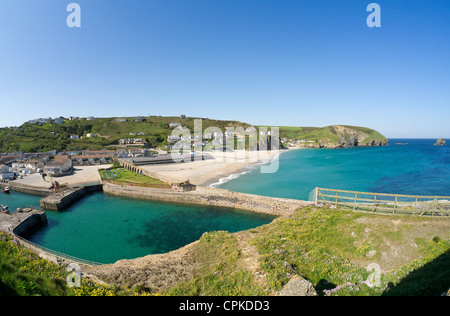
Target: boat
(5,209)
(5,190)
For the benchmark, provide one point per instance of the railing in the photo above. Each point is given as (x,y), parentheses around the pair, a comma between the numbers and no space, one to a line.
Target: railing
(56,253)
(383,202)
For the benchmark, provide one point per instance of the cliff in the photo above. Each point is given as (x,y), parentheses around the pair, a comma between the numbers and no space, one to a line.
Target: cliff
(342,136)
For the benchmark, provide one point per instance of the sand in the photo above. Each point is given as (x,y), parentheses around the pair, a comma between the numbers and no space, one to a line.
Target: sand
(207,172)
(81,175)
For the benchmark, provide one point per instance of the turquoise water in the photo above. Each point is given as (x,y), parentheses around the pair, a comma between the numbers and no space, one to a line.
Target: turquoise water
(105,228)
(407,166)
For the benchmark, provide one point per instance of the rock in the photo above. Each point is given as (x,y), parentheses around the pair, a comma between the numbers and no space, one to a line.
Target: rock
(298,286)
(440,142)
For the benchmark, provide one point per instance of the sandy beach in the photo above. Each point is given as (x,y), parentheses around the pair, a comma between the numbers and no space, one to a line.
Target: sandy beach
(207,172)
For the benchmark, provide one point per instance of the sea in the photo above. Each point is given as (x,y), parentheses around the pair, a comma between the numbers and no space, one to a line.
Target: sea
(406,166)
(104,228)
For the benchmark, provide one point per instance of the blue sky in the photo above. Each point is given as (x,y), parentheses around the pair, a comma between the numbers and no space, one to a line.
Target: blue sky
(268,62)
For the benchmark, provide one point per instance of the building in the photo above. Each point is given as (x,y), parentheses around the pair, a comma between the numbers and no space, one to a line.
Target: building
(139,119)
(61,166)
(5,172)
(174,124)
(59,120)
(105,152)
(131,141)
(74,137)
(89,160)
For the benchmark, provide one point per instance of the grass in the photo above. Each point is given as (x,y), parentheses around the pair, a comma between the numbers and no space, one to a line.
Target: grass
(24,273)
(220,273)
(123,176)
(327,246)
(330,247)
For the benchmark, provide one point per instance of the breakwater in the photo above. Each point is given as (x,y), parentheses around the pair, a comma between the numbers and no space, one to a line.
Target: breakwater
(210,197)
(28,189)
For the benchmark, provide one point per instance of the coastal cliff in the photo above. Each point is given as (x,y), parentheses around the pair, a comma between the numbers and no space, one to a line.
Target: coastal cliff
(341,136)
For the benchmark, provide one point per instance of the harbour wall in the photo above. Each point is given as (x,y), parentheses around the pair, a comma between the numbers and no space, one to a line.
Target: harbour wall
(210,197)
(28,189)
(29,223)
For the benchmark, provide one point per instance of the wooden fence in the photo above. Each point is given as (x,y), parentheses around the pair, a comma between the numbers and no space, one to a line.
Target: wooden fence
(384,202)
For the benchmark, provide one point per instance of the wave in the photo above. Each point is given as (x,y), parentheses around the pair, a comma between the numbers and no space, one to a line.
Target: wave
(247,169)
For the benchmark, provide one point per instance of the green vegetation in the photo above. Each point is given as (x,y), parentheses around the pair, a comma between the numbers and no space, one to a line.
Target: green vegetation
(221,273)
(329,247)
(123,176)
(50,136)
(154,130)
(24,273)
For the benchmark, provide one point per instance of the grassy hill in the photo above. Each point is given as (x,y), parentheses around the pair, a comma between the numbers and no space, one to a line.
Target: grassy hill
(329,247)
(154,130)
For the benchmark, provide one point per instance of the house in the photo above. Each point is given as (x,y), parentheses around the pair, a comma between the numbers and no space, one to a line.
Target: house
(120,120)
(174,124)
(33,166)
(110,153)
(61,166)
(131,141)
(5,172)
(90,118)
(173,138)
(182,116)
(59,120)
(91,135)
(139,119)
(87,160)
(74,137)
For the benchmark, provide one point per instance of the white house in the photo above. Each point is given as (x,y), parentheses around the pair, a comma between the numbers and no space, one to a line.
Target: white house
(5,172)
(62,166)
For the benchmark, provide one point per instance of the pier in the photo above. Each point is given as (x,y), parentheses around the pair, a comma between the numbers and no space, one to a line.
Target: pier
(60,201)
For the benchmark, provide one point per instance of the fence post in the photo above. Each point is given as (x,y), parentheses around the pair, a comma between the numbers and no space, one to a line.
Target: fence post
(317,195)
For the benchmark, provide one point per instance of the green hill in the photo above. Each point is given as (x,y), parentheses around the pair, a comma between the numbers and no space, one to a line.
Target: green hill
(154,130)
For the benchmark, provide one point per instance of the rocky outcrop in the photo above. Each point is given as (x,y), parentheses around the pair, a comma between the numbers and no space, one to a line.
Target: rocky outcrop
(440,142)
(298,286)
(346,136)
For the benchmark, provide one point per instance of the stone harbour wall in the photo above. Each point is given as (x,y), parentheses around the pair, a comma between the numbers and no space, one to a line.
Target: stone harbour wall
(210,197)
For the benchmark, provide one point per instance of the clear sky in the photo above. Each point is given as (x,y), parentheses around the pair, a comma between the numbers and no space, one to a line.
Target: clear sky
(271,62)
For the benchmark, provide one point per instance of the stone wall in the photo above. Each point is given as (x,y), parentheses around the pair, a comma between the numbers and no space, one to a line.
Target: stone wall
(210,197)
(29,223)
(28,189)
(62,200)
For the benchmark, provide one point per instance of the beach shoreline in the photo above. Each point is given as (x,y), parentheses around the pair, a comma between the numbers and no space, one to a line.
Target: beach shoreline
(225,165)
